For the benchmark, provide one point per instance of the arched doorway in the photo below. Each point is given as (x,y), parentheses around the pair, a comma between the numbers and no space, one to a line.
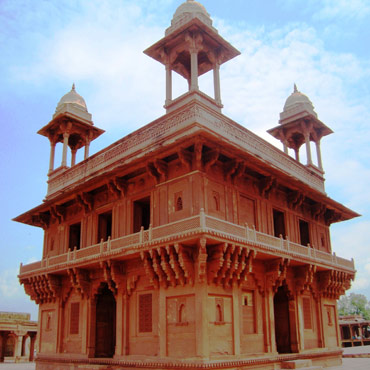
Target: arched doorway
(105,339)
(282,321)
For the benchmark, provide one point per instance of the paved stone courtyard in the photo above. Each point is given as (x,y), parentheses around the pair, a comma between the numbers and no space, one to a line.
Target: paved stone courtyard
(348,363)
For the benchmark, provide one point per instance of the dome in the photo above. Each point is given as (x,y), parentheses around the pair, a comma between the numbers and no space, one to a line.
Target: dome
(192,7)
(187,11)
(296,97)
(72,98)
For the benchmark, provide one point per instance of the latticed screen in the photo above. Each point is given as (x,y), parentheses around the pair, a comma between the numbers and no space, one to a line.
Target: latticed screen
(307,315)
(145,313)
(75,318)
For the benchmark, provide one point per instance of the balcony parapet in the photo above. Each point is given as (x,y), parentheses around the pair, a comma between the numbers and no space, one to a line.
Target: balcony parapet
(172,126)
(176,232)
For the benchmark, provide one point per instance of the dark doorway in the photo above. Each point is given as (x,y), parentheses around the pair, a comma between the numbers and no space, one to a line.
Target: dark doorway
(279,223)
(141,214)
(74,236)
(105,340)
(282,321)
(304,231)
(104,226)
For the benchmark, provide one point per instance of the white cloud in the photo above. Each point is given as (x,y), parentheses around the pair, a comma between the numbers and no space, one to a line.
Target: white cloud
(351,9)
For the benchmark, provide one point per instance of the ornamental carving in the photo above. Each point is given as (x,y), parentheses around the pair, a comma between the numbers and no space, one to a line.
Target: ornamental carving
(229,264)
(42,288)
(276,273)
(169,266)
(333,283)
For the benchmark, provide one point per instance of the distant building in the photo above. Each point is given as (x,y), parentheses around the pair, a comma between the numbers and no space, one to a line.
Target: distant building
(191,242)
(354,331)
(17,337)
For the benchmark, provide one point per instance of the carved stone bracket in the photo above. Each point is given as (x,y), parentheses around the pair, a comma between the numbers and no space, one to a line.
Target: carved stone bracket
(210,158)
(229,264)
(333,283)
(42,219)
(233,169)
(295,199)
(185,157)
(117,187)
(42,288)
(85,200)
(158,170)
(170,265)
(331,216)
(276,273)
(318,210)
(80,281)
(266,185)
(58,212)
(304,277)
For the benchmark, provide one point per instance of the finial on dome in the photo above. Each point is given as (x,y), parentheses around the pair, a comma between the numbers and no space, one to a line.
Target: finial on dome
(295,88)
(73,87)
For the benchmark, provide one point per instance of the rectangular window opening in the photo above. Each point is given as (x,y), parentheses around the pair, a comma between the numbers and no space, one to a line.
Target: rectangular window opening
(304,232)
(75,318)
(141,214)
(104,226)
(279,223)
(145,313)
(74,236)
(307,313)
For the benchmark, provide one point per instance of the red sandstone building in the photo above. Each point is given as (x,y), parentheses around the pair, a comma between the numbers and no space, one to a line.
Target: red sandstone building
(192,242)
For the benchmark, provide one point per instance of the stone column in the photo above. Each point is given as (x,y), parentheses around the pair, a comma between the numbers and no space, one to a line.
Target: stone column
(73,158)
(168,84)
(285,145)
(92,328)
(216,81)
(65,146)
(2,346)
(32,346)
(18,347)
(194,69)
(318,151)
(52,156)
(296,151)
(308,147)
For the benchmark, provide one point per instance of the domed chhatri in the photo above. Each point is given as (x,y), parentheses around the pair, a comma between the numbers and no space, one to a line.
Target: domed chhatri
(297,98)
(72,98)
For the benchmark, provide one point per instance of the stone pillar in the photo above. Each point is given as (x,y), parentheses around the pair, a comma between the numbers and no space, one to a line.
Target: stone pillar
(194,69)
(119,325)
(2,346)
(73,158)
(168,84)
(308,147)
(32,346)
(296,151)
(285,145)
(65,146)
(18,347)
(92,327)
(318,151)
(52,156)
(216,81)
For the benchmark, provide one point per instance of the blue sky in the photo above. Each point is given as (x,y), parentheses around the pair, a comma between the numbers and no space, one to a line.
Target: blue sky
(45,46)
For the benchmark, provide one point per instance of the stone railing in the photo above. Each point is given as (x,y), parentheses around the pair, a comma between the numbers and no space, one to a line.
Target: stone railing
(170,125)
(180,230)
